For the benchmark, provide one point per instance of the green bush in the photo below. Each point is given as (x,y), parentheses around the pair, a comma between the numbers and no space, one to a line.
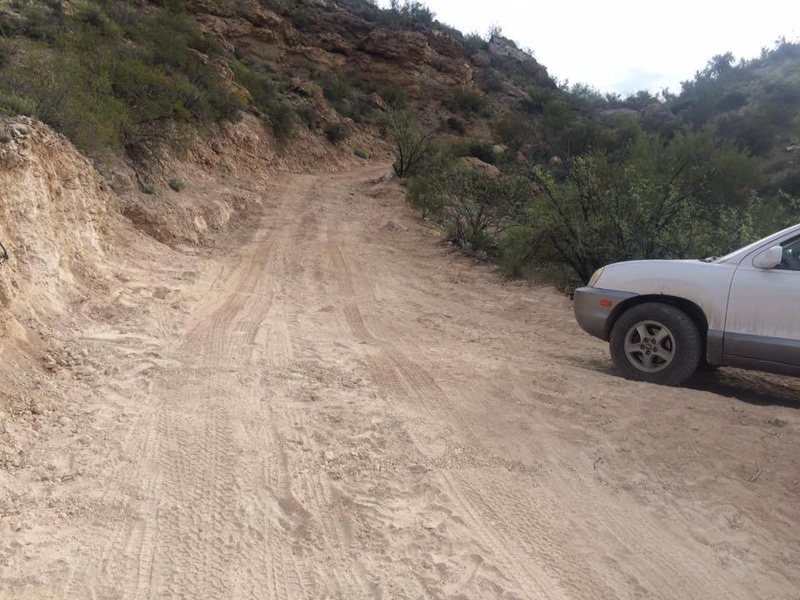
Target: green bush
(109,76)
(518,249)
(337,133)
(300,16)
(361,153)
(476,208)
(425,193)
(308,116)
(481,150)
(394,96)
(16,105)
(536,97)
(474,43)
(491,82)
(467,101)
(456,125)
(264,92)
(515,130)
(344,97)
(687,198)
(283,121)
(790,183)
(413,145)
(336,89)
(412,11)
(261,87)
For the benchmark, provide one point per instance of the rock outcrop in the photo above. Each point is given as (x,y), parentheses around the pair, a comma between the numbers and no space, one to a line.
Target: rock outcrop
(426,62)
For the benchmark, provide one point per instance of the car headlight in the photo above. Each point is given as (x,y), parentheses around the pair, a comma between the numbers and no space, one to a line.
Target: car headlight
(596,277)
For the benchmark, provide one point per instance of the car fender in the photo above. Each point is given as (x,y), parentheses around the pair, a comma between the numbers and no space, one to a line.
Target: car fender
(707,285)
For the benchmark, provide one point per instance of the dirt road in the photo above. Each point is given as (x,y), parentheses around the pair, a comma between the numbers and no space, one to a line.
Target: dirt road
(333,405)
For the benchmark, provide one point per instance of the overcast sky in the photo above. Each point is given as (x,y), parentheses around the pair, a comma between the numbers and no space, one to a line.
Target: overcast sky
(627,45)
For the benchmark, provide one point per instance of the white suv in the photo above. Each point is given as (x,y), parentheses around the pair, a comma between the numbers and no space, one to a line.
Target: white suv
(663,318)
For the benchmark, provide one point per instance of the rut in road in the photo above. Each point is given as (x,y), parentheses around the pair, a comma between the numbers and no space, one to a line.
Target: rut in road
(351,411)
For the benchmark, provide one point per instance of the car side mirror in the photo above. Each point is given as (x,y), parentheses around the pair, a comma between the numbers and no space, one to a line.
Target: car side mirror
(769,259)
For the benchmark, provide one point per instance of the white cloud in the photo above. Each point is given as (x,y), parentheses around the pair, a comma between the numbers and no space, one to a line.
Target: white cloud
(624,45)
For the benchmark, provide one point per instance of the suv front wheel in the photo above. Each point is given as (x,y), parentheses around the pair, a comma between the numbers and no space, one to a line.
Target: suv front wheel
(657,343)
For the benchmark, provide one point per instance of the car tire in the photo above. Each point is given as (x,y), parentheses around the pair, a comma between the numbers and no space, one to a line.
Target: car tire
(657,343)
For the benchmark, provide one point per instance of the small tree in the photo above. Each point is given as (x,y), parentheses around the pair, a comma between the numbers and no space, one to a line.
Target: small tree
(412,144)
(691,197)
(477,207)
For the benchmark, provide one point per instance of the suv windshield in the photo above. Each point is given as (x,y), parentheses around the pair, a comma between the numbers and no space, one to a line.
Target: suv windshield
(754,245)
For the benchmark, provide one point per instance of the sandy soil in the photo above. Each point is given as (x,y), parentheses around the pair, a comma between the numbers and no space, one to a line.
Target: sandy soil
(331,404)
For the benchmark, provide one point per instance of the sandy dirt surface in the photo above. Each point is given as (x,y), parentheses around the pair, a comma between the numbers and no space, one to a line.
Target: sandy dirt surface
(332,404)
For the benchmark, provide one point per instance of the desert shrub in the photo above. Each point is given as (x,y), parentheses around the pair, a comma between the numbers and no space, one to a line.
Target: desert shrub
(467,101)
(412,11)
(41,20)
(266,98)
(515,130)
(456,125)
(16,105)
(752,131)
(394,96)
(425,194)
(361,153)
(176,184)
(337,133)
(299,15)
(518,249)
(536,97)
(474,43)
(790,183)
(148,187)
(283,121)
(261,86)
(690,197)
(359,107)
(413,145)
(478,149)
(347,100)
(5,52)
(112,77)
(336,89)
(732,101)
(476,207)
(491,81)
(308,115)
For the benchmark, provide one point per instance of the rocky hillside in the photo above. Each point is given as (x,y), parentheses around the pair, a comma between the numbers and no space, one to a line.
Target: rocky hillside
(322,66)
(130,79)
(170,98)
(755,103)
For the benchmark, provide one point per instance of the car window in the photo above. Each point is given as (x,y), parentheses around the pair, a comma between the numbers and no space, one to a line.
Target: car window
(764,242)
(791,255)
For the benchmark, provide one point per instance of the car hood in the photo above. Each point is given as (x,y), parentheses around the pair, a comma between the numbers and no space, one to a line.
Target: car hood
(665,276)
(658,262)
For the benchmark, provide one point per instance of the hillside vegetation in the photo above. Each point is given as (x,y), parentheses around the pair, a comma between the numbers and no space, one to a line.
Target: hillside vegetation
(545,178)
